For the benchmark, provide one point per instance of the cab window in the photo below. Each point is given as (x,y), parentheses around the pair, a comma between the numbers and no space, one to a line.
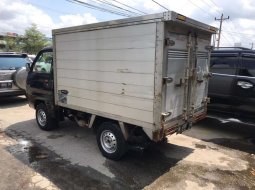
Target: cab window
(43,63)
(224,64)
(248,66)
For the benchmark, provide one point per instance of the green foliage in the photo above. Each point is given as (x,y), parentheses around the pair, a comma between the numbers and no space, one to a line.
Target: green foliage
(33,40)
(12,44)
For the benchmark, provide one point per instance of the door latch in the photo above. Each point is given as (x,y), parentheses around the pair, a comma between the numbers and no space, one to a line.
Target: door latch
(167,80)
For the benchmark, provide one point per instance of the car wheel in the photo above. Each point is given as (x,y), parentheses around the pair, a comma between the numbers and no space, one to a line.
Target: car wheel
(43,119)
(110,141)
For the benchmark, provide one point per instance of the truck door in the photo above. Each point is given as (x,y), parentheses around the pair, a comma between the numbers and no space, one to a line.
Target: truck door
(222,83)
(40,77)
(187,65)
(245,86)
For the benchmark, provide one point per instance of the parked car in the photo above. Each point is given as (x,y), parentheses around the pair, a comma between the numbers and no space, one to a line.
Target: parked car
(31,57)
(13,73)
(232,86)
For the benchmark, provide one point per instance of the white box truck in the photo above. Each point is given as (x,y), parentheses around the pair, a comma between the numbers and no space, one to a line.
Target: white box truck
(138,78)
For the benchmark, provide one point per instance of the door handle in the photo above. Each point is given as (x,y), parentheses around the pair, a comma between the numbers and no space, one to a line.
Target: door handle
(244,84)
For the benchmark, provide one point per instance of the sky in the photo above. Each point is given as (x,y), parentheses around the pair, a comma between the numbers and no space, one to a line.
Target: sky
(17,15)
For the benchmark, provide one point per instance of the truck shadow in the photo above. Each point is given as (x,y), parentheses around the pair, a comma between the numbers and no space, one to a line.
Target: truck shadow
(15,101)
(70,159)
(227,133)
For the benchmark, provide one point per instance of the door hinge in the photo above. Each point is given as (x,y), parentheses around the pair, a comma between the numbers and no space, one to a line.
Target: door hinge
(169,42)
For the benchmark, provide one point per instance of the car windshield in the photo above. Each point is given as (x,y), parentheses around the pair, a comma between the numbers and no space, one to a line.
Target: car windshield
(11,62)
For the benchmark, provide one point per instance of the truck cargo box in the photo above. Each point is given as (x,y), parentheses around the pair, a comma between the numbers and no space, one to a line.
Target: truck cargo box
(149,71)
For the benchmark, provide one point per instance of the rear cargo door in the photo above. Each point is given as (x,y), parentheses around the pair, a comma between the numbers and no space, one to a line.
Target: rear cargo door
(187,63)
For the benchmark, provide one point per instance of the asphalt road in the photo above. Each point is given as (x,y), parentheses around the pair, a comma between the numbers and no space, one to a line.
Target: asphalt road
(214,154)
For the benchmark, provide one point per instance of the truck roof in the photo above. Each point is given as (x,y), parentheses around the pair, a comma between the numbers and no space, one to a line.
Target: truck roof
(165,16)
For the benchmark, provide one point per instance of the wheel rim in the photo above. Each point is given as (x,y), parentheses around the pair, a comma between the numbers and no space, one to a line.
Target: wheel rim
(41,117)
(108,141)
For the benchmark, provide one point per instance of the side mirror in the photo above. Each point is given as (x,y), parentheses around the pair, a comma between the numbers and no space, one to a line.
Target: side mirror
(28,65)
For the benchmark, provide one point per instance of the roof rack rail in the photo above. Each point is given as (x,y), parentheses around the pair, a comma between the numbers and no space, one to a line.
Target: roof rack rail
(235,48)
(8,53)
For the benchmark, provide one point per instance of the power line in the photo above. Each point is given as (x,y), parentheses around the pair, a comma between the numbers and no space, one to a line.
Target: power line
(160,5)
(95,7)
(241,35)
(230,43)
(215,7)
(201,8)
(238,35)
(214,3)
(245,34)
(130,7)
(231,27)
(115,6)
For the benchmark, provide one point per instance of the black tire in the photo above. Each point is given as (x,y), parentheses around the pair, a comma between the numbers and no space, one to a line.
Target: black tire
(43,118)
(113,133)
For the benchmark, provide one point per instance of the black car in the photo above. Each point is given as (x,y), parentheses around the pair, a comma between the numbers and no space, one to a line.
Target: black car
(13,73)
(232,85)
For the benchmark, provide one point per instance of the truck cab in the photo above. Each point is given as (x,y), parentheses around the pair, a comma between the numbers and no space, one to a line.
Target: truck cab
(40,83)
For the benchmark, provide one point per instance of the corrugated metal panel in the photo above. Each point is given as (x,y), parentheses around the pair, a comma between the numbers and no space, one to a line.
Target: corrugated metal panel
(115,99)
(108,66)
(119,32)
(146,54)
(109,70)
(109,77)
(127,42)
(145,92)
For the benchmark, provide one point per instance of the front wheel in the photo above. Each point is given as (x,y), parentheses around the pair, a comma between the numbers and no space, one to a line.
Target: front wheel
(43,119)
(110,141)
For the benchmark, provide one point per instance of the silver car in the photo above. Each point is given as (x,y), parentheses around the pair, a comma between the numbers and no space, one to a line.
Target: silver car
(13,74)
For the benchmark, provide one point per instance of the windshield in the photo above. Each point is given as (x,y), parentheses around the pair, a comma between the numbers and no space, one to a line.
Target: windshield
(12,63)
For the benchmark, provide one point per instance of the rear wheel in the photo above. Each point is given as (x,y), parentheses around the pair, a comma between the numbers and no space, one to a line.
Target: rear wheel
(110,141)
(43,118)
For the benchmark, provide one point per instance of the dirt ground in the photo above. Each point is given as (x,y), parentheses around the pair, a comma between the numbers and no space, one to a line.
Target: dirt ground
(214,154)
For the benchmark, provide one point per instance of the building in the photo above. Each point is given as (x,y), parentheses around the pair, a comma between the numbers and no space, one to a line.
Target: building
(3,39)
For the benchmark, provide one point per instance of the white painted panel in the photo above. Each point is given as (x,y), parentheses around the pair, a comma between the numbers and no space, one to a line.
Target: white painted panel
(106,55)
(174,101)
(202,69)
(127,31)
(123,111)
(109,70)
(115,99)
(145,92)
(145,41)
(110,77)
(108,66)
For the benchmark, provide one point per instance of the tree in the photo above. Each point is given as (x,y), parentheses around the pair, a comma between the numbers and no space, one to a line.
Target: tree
(12,44)
(33,40)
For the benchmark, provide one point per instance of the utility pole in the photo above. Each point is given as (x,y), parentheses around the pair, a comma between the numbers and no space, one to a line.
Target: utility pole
(251,45)
(221,19)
